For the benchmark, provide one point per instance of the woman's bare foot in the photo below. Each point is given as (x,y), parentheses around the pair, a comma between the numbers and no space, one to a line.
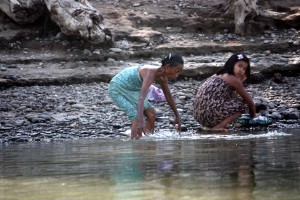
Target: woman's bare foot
(219,129)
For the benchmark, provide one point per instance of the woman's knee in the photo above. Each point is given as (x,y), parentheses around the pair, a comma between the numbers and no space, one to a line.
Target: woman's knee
(150,113)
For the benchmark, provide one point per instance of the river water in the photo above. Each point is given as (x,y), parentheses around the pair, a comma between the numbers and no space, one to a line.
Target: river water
(238,165)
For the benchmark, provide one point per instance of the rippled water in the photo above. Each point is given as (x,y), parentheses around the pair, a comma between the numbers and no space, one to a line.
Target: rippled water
(238,165)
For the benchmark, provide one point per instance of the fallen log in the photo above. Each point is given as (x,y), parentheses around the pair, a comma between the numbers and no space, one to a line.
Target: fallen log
(78,18)
(23,11)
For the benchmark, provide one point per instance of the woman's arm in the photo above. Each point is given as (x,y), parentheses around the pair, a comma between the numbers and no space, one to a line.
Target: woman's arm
(240,89)
(165,87)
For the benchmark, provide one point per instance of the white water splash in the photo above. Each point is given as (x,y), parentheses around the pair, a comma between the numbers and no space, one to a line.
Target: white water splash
(173,135)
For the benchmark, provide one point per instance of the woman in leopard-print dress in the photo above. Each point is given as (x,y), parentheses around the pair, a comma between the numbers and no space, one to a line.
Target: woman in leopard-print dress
(222,97)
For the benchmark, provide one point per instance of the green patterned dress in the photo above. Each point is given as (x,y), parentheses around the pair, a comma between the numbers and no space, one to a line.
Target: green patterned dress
(124,89)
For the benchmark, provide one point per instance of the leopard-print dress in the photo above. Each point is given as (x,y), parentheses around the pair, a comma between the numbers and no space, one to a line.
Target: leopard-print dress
(215,100)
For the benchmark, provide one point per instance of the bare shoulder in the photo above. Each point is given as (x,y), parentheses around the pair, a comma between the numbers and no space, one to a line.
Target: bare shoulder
(231,79)
(147,72)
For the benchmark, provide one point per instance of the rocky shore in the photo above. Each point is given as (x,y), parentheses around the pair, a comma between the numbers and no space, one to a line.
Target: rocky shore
(46,113)
(56,60)
(62,95)
(54,87)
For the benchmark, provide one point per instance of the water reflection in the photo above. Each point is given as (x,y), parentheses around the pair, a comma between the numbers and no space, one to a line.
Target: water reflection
(240,166)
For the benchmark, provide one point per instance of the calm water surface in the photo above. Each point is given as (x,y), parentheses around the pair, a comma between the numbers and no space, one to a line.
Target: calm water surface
(255,165)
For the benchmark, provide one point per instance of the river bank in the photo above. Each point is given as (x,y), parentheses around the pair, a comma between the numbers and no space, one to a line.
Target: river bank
(54,87)
(67,112)
(62,95)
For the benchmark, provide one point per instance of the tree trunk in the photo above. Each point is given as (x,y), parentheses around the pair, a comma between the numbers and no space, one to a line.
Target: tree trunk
(23,11)
(78,18)
(241,9)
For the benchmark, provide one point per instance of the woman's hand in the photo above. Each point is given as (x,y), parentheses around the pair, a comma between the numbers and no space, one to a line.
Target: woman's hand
(178,122)
(137,129)
(256,115)
(136,133)
(242,77)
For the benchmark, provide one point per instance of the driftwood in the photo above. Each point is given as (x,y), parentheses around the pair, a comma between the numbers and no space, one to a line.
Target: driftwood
(78,18)
(241,9)
(74,17)
(23,11)
(294,18)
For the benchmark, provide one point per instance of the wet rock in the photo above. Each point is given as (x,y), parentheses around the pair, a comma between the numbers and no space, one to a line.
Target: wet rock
(37,120)
(19,122)
(106,132)
(275,115)
(294,115)
(86,111)
(278,78)
(87,52)
(78,106)
(115,50)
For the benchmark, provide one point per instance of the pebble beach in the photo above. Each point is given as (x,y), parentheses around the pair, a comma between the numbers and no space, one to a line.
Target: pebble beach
(68,112)
(54,87)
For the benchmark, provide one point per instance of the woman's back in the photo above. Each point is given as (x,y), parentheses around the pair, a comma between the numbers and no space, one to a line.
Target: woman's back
(215,99)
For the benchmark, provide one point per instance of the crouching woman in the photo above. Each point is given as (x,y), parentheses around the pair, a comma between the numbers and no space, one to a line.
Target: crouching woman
(222,97)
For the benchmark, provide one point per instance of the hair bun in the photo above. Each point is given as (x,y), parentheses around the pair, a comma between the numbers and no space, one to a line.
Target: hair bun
(173,59)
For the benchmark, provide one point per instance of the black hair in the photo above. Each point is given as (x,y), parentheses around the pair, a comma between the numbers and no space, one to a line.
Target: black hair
(173,59)
(229,65)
